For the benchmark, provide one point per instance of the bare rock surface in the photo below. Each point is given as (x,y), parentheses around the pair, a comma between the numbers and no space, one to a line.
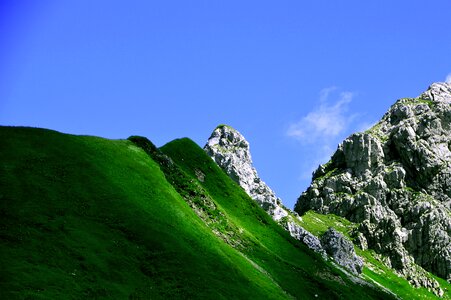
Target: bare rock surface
(394,180)
(230,150)
(341,250)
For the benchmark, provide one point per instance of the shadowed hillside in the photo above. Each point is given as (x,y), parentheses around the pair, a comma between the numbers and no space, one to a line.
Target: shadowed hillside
(86,217)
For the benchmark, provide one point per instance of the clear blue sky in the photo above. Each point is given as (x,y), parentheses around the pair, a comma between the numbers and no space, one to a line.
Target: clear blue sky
(294,77)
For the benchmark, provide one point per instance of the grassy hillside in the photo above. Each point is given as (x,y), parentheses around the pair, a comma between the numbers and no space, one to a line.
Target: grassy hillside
(295,268)
(86,217)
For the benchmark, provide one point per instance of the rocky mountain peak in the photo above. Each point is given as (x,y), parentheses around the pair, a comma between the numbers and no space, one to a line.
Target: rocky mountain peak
(395,181)
(438,92)
(230,150)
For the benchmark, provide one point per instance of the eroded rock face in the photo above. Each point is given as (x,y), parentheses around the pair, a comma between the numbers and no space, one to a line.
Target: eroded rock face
(395,180)
(341,250)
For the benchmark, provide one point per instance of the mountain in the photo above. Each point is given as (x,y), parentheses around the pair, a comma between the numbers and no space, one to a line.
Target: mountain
(231,151)
(87,217)
(393,183)
(330,235)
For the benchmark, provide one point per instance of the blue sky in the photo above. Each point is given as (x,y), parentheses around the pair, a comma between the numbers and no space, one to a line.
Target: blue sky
(294,77)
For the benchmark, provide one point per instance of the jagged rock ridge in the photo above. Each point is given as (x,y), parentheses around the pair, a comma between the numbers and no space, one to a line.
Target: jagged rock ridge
(394,180)
(230,150)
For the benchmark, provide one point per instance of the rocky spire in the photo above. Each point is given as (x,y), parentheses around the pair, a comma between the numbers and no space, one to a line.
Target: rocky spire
(395,181)
(230,150)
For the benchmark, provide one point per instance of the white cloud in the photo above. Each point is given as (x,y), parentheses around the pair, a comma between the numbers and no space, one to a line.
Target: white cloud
(326,121)
(324,93)
(448,78)
(320,130)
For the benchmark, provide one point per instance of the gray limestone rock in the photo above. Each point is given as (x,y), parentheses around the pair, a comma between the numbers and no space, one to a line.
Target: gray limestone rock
(304,236)
(341,250)
(230,150)
(395,181)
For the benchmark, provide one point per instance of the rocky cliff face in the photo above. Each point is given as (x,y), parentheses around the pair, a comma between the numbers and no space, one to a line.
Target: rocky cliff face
(394,180)
(230,150)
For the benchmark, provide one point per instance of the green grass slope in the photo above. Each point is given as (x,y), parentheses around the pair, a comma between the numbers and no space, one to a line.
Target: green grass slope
(289,263)
(86,217)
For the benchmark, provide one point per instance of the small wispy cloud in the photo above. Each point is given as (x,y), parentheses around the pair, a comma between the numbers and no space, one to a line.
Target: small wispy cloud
(322,129)
(326,121)
(448,78)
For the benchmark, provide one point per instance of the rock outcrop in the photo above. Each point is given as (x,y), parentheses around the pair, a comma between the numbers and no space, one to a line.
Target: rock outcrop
(230,150)
(341,250)
(395,181)
(299,233)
